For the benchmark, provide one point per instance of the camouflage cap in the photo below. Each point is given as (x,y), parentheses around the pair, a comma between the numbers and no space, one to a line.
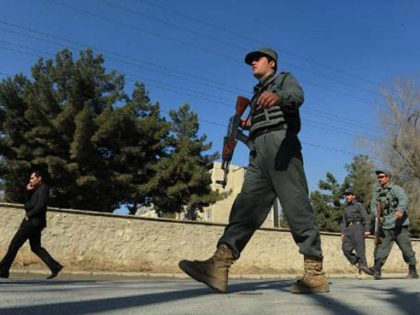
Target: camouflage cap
(250,57)
(385,172)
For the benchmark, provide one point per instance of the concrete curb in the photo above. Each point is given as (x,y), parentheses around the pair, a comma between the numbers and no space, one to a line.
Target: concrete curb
(140,275)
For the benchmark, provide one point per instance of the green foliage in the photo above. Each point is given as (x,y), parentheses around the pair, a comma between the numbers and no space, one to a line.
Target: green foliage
(361,178)
(182,177)
(328,201)
(2,188)
(327,204)
(101,147)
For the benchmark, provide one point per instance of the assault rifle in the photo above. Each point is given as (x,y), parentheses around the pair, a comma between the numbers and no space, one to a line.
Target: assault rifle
(378,223)
(232,136)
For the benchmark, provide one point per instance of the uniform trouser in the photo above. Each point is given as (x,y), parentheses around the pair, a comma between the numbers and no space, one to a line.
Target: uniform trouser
(354,240)
(275,169)
(399,235)
(27,230)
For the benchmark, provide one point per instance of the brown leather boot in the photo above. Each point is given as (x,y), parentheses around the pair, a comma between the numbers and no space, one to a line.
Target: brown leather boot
(213,271)
(314,279)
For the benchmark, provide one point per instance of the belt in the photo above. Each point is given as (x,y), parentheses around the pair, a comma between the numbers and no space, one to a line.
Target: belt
(264,130)
(352,222)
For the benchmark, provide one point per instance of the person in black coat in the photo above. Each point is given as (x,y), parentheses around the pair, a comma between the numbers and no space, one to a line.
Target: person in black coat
(30,228)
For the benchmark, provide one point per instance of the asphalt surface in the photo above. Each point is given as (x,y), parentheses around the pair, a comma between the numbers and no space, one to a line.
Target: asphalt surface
(70,294)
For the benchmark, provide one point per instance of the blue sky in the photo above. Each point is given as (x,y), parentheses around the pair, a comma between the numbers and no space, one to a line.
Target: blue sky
(185,51)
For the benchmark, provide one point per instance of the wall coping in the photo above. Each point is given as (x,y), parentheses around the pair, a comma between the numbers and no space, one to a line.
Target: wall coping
(134,217)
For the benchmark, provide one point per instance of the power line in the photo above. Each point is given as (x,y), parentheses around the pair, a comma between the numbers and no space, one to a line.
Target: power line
(240,35)
(154,68)
(23,52)
(329,148)
(172,25)
(225,126)
(149,32)
(149,66)
(189,45)
(176,89)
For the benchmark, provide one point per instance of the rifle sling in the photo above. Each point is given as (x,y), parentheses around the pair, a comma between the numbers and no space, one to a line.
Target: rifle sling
(246,140)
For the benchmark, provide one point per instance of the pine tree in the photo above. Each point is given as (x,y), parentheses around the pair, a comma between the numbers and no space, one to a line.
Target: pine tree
(182,180)
(51,122)
(15,152)
(101,147)
(328,207)
(361,178)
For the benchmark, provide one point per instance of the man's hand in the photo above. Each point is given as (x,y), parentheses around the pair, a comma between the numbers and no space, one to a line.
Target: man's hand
(245,123)
(342,238)
(267,99)
(367,233)
(398,214)
(29,187)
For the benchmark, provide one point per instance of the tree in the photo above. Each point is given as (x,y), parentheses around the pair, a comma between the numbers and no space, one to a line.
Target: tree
(327,206)
(101,147)
(328,201)
(399,146)
(75,121)
(14,126)
(57,112)
(182,180)
(134,150)
(2,187)
(360,178)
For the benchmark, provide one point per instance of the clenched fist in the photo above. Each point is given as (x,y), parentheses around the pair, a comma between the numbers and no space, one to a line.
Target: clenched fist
(267,99)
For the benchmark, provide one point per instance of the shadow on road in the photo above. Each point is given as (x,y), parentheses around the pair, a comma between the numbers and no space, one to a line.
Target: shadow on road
(405,302)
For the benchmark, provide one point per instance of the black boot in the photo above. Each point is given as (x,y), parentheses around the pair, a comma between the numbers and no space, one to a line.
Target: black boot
(3,272)
(55,271)
(376,272)
(365,269)
(376,269)
(412,272)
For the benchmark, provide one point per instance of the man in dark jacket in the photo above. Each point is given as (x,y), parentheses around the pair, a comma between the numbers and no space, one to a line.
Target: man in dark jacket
(31,227)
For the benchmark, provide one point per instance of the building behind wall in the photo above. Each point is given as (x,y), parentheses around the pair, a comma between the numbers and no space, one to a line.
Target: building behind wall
(219,212)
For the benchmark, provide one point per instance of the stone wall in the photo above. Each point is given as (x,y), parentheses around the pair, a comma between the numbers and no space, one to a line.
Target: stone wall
(92,241)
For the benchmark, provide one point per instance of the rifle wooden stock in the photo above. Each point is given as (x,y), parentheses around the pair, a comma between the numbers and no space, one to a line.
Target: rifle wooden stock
(378,223)
(241,105)
(231,138)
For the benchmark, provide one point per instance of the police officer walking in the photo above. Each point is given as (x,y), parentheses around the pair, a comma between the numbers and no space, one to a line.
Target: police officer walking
(275,170)
(354,229)
(394,224)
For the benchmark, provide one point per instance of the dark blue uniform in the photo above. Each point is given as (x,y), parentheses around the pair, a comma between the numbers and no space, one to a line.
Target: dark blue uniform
(355,224)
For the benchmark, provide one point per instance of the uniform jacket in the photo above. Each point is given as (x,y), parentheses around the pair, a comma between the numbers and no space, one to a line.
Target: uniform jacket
(36,205)
(355,212)
(392,198)
(286,113)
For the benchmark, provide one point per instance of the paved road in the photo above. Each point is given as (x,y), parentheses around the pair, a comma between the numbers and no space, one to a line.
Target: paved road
(30,294)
